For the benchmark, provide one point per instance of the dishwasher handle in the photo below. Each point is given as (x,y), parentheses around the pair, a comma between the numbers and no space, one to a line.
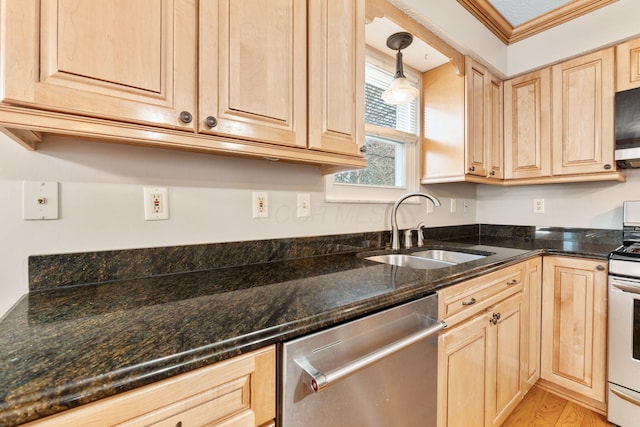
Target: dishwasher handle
(318,381)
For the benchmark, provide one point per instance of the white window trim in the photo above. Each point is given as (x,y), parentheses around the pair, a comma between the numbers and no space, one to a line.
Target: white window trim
(359,193)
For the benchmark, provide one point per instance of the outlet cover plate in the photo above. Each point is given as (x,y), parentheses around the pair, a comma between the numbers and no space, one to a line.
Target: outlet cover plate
(260,204)
(156,203)
(39,200)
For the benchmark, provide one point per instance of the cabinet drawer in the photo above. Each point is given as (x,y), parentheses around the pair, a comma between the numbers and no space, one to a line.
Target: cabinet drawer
(463,300)
(213,405)
(238,391)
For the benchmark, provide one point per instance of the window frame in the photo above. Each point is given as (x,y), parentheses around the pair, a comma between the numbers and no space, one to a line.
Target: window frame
(364,193)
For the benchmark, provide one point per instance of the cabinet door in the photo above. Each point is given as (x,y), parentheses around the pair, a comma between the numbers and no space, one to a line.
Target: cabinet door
(113,59)
(574,303)
(496,128)
(532,314)
(462,362)
(336,77)
(583,106)
(253,68)
(477,93)
(505,385)
(628,65)
(527,125)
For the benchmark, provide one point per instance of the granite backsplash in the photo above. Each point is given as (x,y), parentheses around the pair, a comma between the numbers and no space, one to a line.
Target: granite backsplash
(74,269)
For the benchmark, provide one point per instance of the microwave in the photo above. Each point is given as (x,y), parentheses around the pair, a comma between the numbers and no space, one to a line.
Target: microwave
(627,125)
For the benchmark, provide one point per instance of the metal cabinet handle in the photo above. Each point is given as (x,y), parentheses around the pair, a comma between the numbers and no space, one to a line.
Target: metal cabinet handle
(513,282)
(318,381)
(470,302)
(186,117)
(600,267)
(607,166)
(211,121)
(492,173)
(363,149)
(472,168)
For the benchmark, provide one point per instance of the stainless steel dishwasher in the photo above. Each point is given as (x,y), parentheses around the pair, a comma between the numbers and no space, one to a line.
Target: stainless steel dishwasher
(379,370)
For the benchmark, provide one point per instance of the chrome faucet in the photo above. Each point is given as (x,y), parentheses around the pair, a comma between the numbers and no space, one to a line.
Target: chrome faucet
(395,235)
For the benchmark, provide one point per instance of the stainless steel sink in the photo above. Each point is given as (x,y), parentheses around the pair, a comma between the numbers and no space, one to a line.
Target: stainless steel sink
(426,260)
(454,257)
(403,260)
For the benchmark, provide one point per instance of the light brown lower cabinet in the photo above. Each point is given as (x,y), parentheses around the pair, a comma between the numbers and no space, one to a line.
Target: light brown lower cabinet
(532,317)
(574,326)
(486,360)
(238,392)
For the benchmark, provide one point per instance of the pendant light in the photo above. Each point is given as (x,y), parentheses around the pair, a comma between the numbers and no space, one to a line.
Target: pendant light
(400,91)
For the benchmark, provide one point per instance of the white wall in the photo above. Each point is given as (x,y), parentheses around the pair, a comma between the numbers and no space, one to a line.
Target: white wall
(606,26)
(586,205)
(452,22)
(209,201)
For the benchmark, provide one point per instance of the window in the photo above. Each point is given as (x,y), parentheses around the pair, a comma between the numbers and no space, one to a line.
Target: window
(391,136)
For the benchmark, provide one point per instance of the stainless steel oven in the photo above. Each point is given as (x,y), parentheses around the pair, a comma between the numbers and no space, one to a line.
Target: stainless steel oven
(624,324)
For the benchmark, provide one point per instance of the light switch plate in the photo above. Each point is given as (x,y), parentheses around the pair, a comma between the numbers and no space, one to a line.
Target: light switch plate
(39,200)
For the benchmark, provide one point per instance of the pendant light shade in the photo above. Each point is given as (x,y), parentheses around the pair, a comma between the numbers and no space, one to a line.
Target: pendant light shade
(401,90)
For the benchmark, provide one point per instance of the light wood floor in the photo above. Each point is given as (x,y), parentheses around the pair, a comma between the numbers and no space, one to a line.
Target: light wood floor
(544,409)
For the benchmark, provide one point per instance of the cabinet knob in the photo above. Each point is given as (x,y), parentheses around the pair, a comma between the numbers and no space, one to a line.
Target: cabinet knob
(472,168)
(600,268)
(492,173)
(513,282)
(363,149)
(607,166)
(211,121)
(494,318)
(186,117)
(470,302)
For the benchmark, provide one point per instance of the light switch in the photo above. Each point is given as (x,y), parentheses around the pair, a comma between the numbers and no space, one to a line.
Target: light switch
(39,200)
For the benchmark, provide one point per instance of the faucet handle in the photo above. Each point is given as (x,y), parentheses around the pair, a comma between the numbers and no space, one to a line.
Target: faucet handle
(420,236)
(420,233)
(408,238)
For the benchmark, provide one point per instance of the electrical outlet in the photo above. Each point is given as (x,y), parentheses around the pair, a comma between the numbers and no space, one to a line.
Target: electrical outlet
(466,205)
(156,203)
(538,206)
(429,207)
(304,205)
(260,204)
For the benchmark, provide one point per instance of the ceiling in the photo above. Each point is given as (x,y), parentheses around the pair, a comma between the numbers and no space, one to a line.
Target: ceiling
(514,20)
(419,55)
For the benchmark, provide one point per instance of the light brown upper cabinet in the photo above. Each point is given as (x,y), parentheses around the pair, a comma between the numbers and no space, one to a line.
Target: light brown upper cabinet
(463,124)
(336,75)
(527,130)
(253,68)
(559,122)
(628,65)
(127,61)
(483,107)
(278,81)
(253,72)
(582,107)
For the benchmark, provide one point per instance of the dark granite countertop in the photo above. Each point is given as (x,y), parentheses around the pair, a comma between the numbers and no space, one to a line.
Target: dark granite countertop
(64,347)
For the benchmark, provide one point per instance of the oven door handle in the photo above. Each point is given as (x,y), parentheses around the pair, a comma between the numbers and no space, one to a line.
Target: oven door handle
(630,286)
(623,395)
(318,381)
